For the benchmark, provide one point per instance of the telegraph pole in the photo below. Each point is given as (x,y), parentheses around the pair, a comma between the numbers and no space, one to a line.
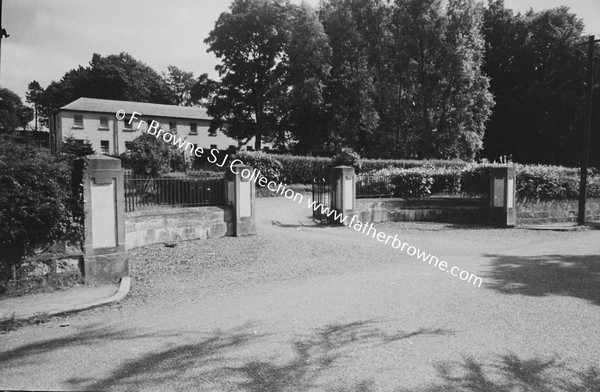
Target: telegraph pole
(587,126)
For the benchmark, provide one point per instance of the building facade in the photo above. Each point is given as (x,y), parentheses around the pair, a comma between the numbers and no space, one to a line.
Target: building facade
(95,120)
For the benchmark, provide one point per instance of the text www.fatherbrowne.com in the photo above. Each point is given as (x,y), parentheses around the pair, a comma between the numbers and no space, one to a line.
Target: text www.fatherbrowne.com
(280,188)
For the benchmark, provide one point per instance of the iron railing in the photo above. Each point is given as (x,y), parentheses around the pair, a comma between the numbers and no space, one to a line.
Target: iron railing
(460,185)
(147,193)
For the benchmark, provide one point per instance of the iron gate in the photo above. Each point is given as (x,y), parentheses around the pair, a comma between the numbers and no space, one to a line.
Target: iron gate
(321,195)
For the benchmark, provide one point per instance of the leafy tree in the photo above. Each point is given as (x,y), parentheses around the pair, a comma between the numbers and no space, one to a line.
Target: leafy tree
(443,96)
(180,83)
(119,77)
(76,148)
(13,114)
(204,90)
(150,157)
(36,201)
(304,113)
(352,84)
(33,96)
(250,41)
(537,68)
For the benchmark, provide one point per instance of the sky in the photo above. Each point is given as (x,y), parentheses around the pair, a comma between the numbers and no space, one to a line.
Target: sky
(49,38)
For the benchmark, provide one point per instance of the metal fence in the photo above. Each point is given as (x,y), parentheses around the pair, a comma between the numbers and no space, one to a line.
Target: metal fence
(471,184)
(146,193)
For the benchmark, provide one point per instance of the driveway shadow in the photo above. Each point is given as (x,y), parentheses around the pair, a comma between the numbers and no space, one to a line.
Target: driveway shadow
(213,361)
(574,276)
(507,373)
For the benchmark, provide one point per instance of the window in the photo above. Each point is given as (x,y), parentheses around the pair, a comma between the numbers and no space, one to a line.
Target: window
(126,124)
(103,122)
(128,146)
(193,129)
(78,121)
(104,147)
(173,126)
(212,132)
(231,147)
(213,146)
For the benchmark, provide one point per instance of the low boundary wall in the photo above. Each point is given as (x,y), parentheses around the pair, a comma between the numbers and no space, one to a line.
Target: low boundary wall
(458,210)
(177,224)
(536,212)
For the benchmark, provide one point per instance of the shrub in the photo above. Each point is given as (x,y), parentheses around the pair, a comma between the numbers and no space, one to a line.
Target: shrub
(347,157)
(149,157)
(39,204)
(303,170)
(412,183)
(268,165)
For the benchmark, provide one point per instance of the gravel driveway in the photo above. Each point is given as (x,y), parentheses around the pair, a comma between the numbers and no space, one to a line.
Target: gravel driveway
(300,307)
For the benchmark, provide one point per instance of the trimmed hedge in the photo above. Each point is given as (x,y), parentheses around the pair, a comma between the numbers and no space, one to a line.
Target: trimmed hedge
(534,182)
(421,178)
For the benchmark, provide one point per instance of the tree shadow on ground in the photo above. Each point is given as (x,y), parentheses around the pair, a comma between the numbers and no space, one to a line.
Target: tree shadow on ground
(216,361)
(324,349)
(574,276)
(509,373)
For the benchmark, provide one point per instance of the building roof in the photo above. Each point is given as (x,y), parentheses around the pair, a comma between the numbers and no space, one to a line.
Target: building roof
(146,109)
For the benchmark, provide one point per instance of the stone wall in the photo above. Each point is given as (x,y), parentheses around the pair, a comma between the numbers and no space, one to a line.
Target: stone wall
(537,212)
(458,210)
(177,224)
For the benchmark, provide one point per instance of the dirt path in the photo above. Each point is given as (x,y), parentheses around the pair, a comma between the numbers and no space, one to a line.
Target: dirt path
(300,307)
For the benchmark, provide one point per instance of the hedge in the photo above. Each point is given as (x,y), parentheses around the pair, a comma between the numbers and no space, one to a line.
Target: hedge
(420,178)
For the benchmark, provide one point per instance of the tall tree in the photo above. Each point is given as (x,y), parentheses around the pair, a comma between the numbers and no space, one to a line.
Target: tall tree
(119,77)
(180,83)
(352,85)
(537,69)
(250,41)
(13,114)
(443,94)
(308,68)
(33,96)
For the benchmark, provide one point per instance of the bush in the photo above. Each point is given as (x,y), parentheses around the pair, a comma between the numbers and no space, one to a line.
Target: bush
(303,170)
(347,157)
(412,183)
(268,165)
(39,203)
(149,157)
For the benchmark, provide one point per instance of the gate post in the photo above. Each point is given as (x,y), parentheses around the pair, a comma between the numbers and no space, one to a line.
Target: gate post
(502,196)
(240,195)
(343,190)
(105,255)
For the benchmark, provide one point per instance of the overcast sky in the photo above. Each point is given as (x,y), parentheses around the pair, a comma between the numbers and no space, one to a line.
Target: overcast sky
(48,38)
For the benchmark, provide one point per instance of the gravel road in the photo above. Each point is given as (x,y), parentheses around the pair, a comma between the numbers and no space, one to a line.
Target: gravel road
(300,307)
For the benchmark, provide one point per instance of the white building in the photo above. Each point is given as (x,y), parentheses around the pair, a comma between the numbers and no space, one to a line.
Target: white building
(95,120)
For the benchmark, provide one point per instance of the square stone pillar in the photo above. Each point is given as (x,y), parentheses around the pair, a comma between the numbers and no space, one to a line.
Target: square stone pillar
(240,195)
(343,190)
(105,257)
(503,182)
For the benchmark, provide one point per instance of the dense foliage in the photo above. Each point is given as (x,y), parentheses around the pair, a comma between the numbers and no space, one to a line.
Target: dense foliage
(13,114)
(537,66)
(150,158)
(268,165)
(40,202)
(399,79)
